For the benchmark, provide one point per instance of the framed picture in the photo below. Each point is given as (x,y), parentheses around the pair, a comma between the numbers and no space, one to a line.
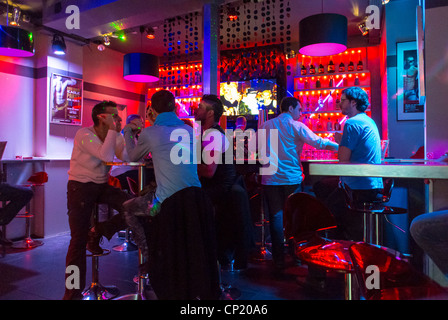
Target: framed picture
(65,105)
(408,82)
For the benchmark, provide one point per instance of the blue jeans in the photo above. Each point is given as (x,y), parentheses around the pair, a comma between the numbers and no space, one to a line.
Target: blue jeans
(430,231)
(275,197)
(18,197)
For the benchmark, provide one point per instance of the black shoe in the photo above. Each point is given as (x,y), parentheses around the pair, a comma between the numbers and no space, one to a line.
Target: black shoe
(93,243)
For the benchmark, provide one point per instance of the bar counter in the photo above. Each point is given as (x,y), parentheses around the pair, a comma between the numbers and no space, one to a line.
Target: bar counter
(436,174)
(396,168)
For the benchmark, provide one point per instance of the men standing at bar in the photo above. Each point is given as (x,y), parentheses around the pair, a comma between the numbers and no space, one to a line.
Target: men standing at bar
(180,236)
(288,177)
(88,186)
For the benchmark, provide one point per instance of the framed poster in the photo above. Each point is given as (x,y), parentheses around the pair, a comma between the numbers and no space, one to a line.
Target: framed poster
(408,77)
(65,100)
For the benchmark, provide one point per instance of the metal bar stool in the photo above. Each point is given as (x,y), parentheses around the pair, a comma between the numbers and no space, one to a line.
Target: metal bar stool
(97,291)
(263,253)
(373,212)
(37,179)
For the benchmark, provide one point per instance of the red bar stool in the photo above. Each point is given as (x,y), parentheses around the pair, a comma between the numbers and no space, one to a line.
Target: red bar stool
(36,179)
(305,220)
(397,279)
(97,291)
(373,212)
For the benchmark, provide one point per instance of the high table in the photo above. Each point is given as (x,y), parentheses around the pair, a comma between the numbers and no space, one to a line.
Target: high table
(391,168)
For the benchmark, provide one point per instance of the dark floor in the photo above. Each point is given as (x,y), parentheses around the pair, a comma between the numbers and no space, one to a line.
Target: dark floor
(38,274)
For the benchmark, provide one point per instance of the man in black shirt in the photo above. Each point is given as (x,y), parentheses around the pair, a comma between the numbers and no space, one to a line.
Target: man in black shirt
(218,177)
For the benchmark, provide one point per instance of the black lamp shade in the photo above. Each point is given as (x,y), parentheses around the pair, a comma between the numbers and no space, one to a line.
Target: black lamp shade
(323,34)
(141,67)
(16,42)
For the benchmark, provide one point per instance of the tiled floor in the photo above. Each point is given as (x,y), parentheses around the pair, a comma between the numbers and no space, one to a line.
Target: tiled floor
(38,274)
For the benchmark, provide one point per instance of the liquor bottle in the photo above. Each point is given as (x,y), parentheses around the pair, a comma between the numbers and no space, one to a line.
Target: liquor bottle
(341,66)
(351,66)
(338,101)
(319,124)
(307,84)
(329,125)
(359,66)
(303,69)
(337,125)
(330,102)
(312,68)
(318,84)
(330,67)
(345,81)
(331,83)
(321,69)
(356,81)
(320,102)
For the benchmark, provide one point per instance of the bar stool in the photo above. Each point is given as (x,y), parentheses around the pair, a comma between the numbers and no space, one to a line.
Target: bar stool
(306,222)
(36,179)
(142,283)
(373,211)
(97,291)
(263,253)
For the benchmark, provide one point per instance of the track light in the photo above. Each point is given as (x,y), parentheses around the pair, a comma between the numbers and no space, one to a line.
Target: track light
(150,34)
(15,17)
(58,45)
(384,1)
(363,28)
(106,40)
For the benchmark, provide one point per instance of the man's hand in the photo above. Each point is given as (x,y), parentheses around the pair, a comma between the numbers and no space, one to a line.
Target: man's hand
(136,126)
(108,120)
(150,116)
(337,137)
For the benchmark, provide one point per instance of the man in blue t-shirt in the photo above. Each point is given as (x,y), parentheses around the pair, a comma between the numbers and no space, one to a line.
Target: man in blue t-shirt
(359,143)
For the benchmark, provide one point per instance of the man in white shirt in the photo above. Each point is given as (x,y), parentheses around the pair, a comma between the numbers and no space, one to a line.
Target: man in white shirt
(288,176)
(88,186)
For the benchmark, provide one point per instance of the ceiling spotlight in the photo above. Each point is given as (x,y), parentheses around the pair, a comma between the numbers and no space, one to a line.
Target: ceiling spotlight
(16,17)
(232,14)
(384,1)
(101,47)
(106,40)
(150,33)
(58,45)
(363,28)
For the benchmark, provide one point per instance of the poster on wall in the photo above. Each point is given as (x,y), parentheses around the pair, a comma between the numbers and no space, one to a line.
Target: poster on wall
(408,76)
(65,100)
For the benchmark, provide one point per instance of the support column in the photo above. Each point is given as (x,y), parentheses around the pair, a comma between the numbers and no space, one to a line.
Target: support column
(210,50)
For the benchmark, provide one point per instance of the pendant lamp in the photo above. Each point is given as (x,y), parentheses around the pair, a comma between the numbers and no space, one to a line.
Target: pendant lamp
(141,67)
(16,42)
(323,34)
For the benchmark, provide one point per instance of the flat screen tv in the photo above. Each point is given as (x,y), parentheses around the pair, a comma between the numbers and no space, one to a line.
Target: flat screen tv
(248,97)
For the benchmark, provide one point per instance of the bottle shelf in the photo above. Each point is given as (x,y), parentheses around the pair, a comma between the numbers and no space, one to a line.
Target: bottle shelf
(332,74)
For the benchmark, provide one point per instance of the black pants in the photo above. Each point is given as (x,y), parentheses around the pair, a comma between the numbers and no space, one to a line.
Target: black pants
(81,199)
(17,196)
(350,223)
(275,197)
